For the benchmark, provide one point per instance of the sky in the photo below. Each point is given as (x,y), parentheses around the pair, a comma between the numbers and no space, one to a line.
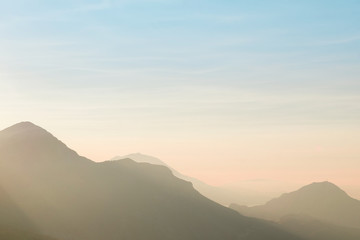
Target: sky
(226,91)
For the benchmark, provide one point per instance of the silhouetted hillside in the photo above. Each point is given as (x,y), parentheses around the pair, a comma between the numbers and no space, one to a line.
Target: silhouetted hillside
(324,201)
(214,193)
(70,197)
(143,158)
(28,142)
(221,195)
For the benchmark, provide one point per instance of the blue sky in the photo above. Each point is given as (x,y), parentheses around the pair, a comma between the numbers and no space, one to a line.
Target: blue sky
(213,42)
(265,48)
(139,73)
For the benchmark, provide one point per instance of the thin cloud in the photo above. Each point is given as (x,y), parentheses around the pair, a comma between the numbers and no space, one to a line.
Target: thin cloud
(339,41)
(102,5)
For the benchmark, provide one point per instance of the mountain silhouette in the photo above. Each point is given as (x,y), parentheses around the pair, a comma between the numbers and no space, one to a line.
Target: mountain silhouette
(143,158)
(67,196)
(221,195)
(25,142)
(322,200)
(214,193)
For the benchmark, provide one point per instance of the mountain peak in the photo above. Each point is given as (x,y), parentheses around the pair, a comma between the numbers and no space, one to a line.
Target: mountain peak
(139,157)
(323,184)
(321,200)
(26,140)
(25,124)
(22,127)
(322,188)
(316,192)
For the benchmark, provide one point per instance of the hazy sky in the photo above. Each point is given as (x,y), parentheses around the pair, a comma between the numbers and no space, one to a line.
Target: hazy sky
(225,90)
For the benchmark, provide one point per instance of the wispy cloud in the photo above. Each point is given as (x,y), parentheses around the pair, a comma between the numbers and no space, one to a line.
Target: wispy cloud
(61,14)
(340,40)
(102,5)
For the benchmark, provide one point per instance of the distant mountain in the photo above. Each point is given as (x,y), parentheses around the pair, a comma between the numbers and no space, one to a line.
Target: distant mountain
(221,195)
(214,193)
(142,158)
(314,229)
(323,201)
(51,189)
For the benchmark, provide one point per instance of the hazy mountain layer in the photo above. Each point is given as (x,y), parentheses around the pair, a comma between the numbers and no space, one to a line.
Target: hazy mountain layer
(61,194)
(324,201)
(214,193)
(221,195)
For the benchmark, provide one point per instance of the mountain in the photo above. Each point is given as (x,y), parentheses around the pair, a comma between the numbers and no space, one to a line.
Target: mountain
(52,189)
(221,195)
(323,201)
(142,158)
(214,193)
(35,143)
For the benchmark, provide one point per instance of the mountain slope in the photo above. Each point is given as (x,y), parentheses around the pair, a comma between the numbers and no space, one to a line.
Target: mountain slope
(143,158)
(70,197)
(324,201)
(221,195)
(214,193)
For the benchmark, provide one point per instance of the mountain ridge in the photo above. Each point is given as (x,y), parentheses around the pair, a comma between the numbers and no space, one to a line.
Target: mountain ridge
(69,198)
(34,140)
(221,195)
(322,200)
